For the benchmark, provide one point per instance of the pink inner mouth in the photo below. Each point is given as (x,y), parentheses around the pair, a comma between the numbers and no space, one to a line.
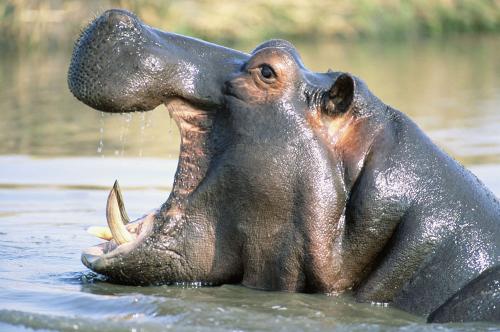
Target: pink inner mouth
(195,126)
(137,228)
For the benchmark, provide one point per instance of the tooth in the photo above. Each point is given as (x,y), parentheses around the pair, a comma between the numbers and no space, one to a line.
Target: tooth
(101,232)
(114,216)
(119,197)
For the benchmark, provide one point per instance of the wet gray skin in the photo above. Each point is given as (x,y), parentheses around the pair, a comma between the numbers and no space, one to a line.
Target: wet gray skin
(289,180)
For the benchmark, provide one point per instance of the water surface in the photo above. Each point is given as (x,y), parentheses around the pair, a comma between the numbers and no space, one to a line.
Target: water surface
(58,158)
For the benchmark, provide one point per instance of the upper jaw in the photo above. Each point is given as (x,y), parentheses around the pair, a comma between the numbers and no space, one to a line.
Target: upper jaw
(120,64)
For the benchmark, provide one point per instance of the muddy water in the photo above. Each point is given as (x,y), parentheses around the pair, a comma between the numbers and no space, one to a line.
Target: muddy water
(58,158)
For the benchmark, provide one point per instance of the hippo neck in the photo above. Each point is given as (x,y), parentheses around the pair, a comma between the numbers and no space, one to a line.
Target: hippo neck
(366,121)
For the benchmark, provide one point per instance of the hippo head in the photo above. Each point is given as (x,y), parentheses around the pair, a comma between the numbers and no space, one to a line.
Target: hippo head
(260,188)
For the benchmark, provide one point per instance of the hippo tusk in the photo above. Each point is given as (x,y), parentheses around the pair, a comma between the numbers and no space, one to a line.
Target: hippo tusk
(121,205)
(101,232)
(114,208)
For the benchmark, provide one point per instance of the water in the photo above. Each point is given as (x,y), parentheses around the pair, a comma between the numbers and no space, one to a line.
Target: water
(57,161)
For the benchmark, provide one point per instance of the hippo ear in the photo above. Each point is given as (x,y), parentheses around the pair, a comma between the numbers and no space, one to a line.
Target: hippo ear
(339,97)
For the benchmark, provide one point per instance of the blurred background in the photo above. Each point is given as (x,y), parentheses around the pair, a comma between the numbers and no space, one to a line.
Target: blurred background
(45,24)
(436,60)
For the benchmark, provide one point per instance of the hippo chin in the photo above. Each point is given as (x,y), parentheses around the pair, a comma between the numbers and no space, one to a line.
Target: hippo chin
(288,180)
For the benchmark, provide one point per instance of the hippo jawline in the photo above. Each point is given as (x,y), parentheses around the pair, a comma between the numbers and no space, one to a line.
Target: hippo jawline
(194,125)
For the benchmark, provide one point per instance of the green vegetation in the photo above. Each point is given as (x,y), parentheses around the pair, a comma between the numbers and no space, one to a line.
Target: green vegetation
(41,23)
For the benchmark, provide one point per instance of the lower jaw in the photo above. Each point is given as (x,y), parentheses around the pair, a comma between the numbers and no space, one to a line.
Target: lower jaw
(109,250)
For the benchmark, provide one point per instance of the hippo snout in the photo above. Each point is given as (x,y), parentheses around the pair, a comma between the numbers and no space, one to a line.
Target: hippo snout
(106,70)
(119,64)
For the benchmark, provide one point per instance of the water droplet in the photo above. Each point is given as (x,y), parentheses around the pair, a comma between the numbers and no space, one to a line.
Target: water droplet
(141,137)
(100,145)
(124,131)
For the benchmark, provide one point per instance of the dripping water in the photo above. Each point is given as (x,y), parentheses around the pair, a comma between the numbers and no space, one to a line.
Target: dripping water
(100,146)
(127,118)
(141,137)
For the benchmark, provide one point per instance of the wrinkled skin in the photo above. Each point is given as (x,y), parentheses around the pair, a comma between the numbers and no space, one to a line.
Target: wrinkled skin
(288,179)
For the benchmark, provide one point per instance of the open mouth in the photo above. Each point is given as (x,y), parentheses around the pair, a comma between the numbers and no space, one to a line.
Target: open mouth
(120,64)
(122,235)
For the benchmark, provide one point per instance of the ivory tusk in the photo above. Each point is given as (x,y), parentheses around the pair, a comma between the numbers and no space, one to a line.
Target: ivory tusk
(121,204)
(114,216)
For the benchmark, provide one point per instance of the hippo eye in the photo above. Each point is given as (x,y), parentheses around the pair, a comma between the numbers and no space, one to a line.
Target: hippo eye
(267,72)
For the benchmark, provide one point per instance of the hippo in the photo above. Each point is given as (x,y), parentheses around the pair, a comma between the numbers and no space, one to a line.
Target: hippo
(287,180)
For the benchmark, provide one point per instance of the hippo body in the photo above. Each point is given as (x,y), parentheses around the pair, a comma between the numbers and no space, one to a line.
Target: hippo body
(423,224)
(288,180)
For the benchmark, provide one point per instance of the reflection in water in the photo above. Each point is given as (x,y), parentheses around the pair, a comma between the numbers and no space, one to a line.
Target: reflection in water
(451,89)
(40,116)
